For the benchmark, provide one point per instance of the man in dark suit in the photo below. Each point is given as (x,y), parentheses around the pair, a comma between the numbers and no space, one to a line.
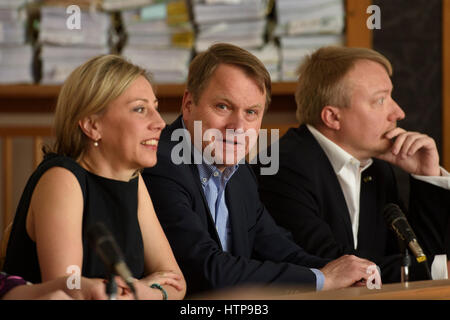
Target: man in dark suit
(335,171)
(206,198)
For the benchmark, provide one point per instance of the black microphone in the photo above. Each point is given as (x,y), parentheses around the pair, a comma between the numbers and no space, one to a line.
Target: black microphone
(396,219)
(108,250)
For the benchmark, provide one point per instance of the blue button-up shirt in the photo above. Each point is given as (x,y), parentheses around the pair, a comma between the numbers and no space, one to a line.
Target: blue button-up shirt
(214,182)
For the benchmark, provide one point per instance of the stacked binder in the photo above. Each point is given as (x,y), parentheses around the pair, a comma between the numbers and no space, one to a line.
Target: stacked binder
(160,38)
(242,23)
(117,5)
(161,35)
(305,25)
(66,45)
(270,57)
(16,51)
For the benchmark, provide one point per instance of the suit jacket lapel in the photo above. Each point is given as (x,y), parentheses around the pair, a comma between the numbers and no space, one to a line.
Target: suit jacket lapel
(368,210)
(323,161)
(177,124)
(341,205)
(237,214)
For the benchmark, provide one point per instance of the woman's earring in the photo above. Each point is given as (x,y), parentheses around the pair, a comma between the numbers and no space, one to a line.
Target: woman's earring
(96,143)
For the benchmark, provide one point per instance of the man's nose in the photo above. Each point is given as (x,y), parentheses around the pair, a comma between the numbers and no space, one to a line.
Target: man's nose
(397,113)
(236,122)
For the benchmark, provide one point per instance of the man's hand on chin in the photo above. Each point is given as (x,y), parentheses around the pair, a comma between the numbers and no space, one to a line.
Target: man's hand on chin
(413,152)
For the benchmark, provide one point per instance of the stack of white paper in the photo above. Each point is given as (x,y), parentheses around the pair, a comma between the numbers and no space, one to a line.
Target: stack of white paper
(310,16)
(16,63)
(58,27)
(270,57)
(167,65)
(13,4)
(64,45)
(114,5)
(304,26)
(294,49)
(59,61)
(160,38)
(240,22)
(16,55)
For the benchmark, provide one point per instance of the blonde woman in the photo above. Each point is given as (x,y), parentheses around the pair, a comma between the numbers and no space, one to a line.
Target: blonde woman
(107,128)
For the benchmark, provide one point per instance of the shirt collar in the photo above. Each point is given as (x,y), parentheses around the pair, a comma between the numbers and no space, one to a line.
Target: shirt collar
(337,156)
(206,171)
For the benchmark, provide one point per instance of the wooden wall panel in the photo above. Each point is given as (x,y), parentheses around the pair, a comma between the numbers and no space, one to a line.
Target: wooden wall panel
(357,33)
(446,84)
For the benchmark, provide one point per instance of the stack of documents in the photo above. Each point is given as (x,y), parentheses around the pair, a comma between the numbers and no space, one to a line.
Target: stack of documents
(68,40)
(116,5)
(160,38)
(166,65)
(240,22)
(16,51)
(270,57)
(59,61)
(305,25)
(294,49)
(310,16)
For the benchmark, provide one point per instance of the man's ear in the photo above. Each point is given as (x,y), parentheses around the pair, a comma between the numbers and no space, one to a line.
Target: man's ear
(91,127)
(331,117)
(188,102)
(187,105)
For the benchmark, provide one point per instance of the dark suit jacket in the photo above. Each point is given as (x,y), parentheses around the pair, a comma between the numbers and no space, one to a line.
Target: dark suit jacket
(306,198)
(261,252)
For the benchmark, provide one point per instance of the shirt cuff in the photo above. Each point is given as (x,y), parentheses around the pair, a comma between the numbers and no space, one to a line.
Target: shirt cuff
(320,278)
(442,181)
(439,267)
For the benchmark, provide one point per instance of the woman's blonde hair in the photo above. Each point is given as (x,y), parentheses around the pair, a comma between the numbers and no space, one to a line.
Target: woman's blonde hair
(88,90)
(320,81)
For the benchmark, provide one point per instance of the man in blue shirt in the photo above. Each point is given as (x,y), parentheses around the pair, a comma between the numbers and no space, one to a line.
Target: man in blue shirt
(206,197)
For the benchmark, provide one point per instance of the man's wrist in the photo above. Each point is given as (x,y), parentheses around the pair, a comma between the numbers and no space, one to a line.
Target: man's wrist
(320,279)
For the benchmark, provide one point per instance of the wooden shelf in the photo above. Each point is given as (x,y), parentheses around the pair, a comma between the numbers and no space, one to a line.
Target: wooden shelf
(169,90)
(13,91)
(29,98)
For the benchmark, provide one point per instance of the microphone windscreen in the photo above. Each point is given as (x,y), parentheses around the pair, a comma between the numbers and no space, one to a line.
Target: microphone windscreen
(391,212)
(95,232)
(103,242)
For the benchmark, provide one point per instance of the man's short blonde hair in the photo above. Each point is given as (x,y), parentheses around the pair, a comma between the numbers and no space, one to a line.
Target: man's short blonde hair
(320,81)
(204,64)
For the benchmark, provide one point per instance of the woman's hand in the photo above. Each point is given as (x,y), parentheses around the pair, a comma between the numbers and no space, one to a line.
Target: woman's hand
(143,290)
(165,278)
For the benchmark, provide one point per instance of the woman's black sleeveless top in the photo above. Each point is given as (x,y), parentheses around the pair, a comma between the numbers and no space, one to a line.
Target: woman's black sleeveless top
(111,202)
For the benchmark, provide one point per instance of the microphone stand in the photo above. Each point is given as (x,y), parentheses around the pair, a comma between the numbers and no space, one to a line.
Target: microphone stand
(111,287)
(406,263)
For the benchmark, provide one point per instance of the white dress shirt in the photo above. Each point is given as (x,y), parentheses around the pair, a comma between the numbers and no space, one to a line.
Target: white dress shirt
(348,170)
